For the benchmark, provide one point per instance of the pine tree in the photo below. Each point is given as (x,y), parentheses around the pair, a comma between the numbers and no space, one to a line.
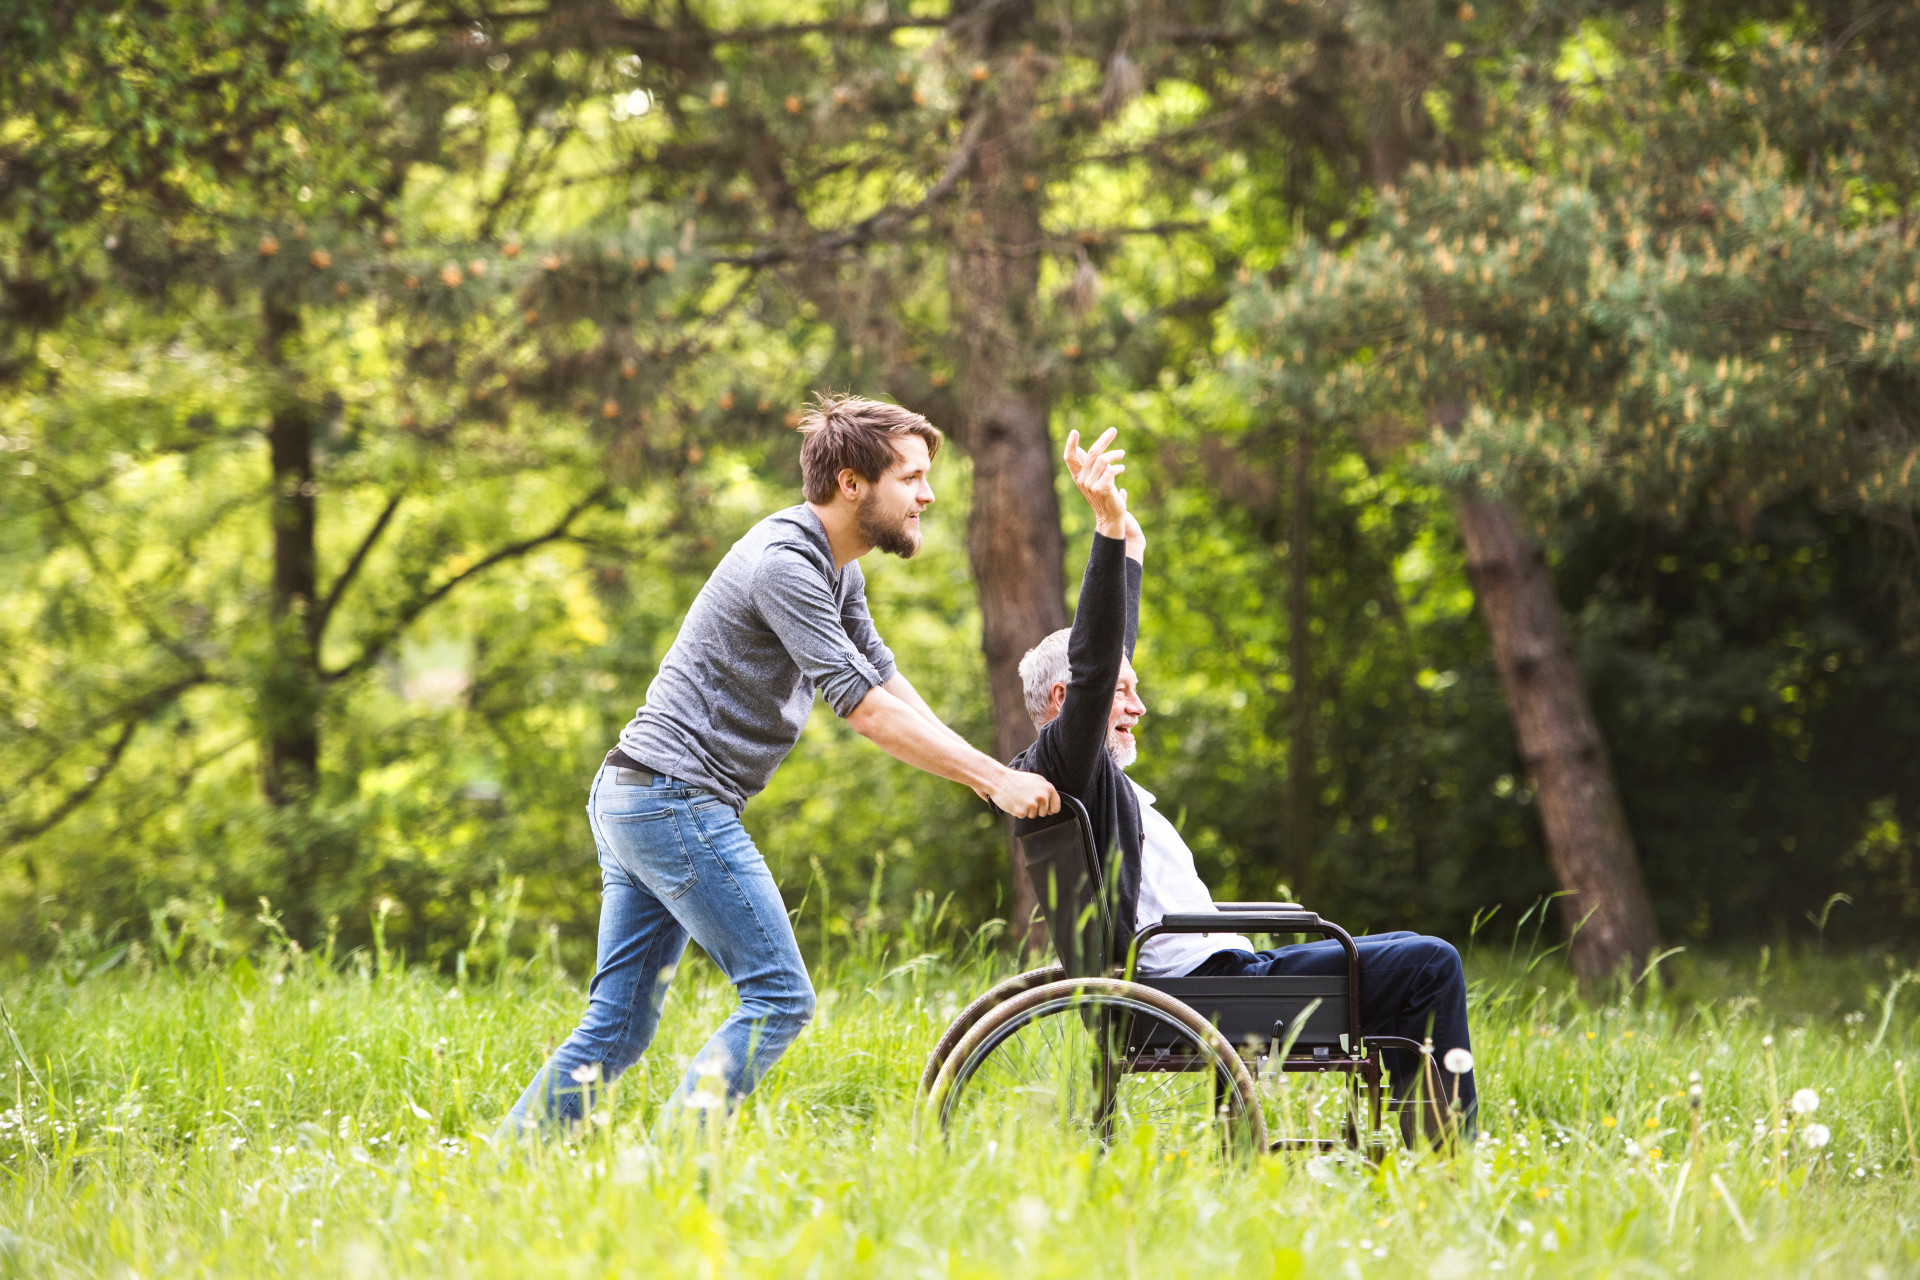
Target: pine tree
(1688,292)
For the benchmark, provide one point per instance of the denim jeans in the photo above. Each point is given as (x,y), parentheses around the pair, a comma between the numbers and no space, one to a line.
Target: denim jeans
(1410,985)
(675,863)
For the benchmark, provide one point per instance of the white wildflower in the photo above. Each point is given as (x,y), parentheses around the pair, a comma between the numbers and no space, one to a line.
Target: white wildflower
(1805,1102)
(1458,1061)
(1816,1136)
(585,1073)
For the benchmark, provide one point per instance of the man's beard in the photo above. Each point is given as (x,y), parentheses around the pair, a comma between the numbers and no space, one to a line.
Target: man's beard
(1122,753)
(896,539)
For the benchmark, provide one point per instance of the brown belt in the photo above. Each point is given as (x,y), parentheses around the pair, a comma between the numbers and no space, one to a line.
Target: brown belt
(631,771)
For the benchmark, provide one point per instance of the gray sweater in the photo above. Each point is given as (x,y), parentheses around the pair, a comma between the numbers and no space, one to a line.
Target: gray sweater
(775,622)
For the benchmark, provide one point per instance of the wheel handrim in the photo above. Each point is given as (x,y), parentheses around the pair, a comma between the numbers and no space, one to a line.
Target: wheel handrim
(1048,1059)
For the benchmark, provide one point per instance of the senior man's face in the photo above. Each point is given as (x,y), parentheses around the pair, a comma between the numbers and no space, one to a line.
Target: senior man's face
(1126,713)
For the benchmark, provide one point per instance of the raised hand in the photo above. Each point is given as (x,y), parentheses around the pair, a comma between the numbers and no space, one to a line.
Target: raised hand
(1095,472)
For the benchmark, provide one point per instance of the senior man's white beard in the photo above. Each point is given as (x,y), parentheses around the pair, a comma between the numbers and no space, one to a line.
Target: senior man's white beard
(1122,753)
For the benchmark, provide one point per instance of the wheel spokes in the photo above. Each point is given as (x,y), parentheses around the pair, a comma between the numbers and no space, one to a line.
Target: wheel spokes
(1049,1068)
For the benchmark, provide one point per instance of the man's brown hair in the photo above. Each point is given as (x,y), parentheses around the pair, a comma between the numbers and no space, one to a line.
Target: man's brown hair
(852,433)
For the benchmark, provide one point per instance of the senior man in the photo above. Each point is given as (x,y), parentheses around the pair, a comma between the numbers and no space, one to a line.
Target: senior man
(1084,697)
(784,614)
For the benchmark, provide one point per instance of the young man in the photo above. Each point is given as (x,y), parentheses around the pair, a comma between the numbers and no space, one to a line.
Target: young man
(784,614)
(1084,698)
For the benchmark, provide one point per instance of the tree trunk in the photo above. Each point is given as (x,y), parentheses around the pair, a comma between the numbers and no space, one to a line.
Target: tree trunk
(1606,907)
(1300,751)
(290,714)
(1013,538)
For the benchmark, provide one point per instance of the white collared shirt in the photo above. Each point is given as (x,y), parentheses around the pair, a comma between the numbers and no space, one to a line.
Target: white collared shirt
(1169,885)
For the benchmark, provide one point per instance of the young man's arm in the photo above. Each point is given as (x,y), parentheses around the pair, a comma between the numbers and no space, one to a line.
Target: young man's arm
(918,738)
(899,687)
(798,605)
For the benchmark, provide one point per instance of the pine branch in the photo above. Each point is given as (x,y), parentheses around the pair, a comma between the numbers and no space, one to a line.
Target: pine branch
(374,649)
(602,30)
(345,580)
(130,717)
(879,224)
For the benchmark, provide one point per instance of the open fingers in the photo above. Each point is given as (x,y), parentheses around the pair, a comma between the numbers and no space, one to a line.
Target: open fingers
(1074,458)
(1095,473)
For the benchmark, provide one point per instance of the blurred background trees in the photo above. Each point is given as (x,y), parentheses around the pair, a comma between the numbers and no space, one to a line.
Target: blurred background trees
(1521,396)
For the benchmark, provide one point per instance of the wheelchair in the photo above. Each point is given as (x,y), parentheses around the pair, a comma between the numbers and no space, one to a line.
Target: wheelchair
(1172,1062)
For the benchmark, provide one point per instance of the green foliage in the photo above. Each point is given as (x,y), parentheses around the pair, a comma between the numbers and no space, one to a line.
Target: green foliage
(504,278)
(1672,316)
(1669,298)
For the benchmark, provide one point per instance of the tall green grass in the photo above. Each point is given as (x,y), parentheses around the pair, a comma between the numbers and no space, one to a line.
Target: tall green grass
(282,1113)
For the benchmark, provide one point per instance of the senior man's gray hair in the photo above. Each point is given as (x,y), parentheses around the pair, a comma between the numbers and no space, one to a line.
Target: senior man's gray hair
(1044,666)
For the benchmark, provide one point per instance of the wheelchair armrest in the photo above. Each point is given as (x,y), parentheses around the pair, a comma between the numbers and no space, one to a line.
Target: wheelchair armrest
(1250,921)
(1258,906)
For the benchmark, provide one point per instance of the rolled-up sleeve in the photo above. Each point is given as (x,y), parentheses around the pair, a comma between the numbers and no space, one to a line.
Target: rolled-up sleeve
(798,603)
(857,618)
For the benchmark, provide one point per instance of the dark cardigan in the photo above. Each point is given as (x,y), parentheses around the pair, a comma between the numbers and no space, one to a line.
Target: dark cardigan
(1071,751)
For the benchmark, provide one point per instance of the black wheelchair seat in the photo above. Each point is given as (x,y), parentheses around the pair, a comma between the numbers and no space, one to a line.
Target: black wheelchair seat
(1263,1014)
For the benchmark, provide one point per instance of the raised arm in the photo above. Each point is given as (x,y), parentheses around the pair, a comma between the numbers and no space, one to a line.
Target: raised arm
(1071,745)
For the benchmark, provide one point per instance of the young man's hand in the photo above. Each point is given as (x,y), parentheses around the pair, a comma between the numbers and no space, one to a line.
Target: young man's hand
(1025,795)
(1095,472)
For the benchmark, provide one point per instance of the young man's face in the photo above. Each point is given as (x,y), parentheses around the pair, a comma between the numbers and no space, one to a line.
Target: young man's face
(889,511)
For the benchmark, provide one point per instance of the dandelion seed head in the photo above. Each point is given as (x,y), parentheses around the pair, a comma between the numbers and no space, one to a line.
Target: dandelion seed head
(1458,1061)
(1805,1102)
(585,1073)
(1817,1136)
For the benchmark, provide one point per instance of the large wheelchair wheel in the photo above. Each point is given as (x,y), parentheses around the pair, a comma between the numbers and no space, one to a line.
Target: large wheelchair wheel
(1111,1061)
(992,998)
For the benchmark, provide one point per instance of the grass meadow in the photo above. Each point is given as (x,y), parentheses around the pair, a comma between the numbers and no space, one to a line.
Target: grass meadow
(281,1113)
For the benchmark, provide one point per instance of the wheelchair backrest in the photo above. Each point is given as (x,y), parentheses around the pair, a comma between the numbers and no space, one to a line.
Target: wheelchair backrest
(1067,877)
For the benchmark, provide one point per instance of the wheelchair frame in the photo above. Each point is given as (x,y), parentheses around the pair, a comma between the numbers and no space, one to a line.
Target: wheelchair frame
(1265,1019)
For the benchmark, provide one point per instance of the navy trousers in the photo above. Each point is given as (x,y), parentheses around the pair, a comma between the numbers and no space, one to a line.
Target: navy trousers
(1410,985)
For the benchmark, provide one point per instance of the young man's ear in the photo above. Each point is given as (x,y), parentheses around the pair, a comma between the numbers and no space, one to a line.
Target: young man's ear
(849,482)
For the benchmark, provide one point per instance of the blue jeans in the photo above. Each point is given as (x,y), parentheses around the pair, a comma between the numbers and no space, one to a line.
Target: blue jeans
(1410,985)
(675,863)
